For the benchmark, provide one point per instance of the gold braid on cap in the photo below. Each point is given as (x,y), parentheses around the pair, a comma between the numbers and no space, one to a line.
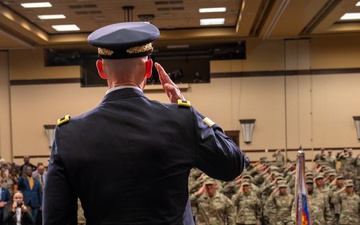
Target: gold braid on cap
(140,49)
(105,51)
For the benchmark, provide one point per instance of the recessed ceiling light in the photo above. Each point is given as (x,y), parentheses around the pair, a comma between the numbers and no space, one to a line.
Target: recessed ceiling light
(51,17)
(215,21)
(350,16)
(210,10)
(69,27)
(36,5)
(358,4)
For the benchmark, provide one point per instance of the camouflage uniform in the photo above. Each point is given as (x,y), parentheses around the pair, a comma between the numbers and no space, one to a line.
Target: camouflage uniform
(266,190)
(345,160)
(80,214)
(331,161)
(194,181)
(248,207)
(340,156)
(229,189)
(320,157)
(319,209)
(279,158)
(194,184)
(325,190)
(280,208)
(349,205)
(356,163)
(217,210)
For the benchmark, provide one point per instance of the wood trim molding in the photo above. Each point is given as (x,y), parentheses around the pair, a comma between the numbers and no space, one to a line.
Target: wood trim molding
(45,81)
(213,75)
(32,156)
(286,73)
(296,149)
(250,150)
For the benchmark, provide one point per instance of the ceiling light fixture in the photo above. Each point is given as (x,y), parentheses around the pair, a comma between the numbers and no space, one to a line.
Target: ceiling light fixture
(350,16)
(36,5)
(68,27)
(52,17)
(215,21)
(358,4)
(212,10)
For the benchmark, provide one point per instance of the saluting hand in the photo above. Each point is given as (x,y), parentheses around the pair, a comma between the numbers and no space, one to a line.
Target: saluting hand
(200,191)
(333,182)
(342,189)
(238,180)
(274,191)
(170,88)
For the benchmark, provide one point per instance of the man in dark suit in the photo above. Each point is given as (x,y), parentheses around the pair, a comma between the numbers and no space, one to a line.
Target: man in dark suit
(31,190)
(25,165)
(148,147)
(4,199)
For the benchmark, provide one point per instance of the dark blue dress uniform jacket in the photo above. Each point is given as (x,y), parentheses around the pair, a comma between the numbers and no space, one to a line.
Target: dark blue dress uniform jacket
(128,161)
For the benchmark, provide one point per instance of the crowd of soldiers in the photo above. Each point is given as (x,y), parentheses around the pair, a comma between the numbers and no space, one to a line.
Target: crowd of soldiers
(264,193)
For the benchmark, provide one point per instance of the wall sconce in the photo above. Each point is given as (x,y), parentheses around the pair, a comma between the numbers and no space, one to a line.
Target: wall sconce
(50,133)
(357,124)
(247,126)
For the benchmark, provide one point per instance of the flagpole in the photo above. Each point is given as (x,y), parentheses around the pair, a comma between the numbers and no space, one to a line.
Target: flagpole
(301,197)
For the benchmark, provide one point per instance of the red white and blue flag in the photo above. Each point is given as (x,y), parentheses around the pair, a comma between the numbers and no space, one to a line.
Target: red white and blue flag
(301,197)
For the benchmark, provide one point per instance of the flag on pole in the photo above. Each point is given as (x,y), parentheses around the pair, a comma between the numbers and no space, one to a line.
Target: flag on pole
(301,197)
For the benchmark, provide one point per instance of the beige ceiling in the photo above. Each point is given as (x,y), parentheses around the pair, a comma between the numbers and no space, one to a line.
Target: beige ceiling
(178,20)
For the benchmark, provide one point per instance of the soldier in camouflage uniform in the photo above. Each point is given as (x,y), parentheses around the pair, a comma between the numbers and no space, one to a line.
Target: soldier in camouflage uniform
(356,163)
(341,156)
(266,189)
(245,177)
(320,187)
(279,158)
(349,204)
(319,207)
(280,205)
(213,208)
(346,163)
(338,185)
(331,159)
(248,206)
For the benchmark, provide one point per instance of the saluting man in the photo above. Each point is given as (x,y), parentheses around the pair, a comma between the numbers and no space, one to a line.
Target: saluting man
(148,147)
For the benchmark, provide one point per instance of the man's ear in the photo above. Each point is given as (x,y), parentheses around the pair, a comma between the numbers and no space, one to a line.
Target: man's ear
(99,66)
(148,68)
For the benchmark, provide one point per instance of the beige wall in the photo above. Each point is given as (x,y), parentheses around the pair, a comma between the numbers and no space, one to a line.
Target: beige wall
(309,110)
(5,117)
(29,65)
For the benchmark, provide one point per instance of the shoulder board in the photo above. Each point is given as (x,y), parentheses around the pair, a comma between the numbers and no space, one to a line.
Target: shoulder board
(184,103)
(208,121)
(63,120)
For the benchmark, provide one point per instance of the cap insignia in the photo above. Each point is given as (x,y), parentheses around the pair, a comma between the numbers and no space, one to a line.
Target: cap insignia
(140,49)
(105,51)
